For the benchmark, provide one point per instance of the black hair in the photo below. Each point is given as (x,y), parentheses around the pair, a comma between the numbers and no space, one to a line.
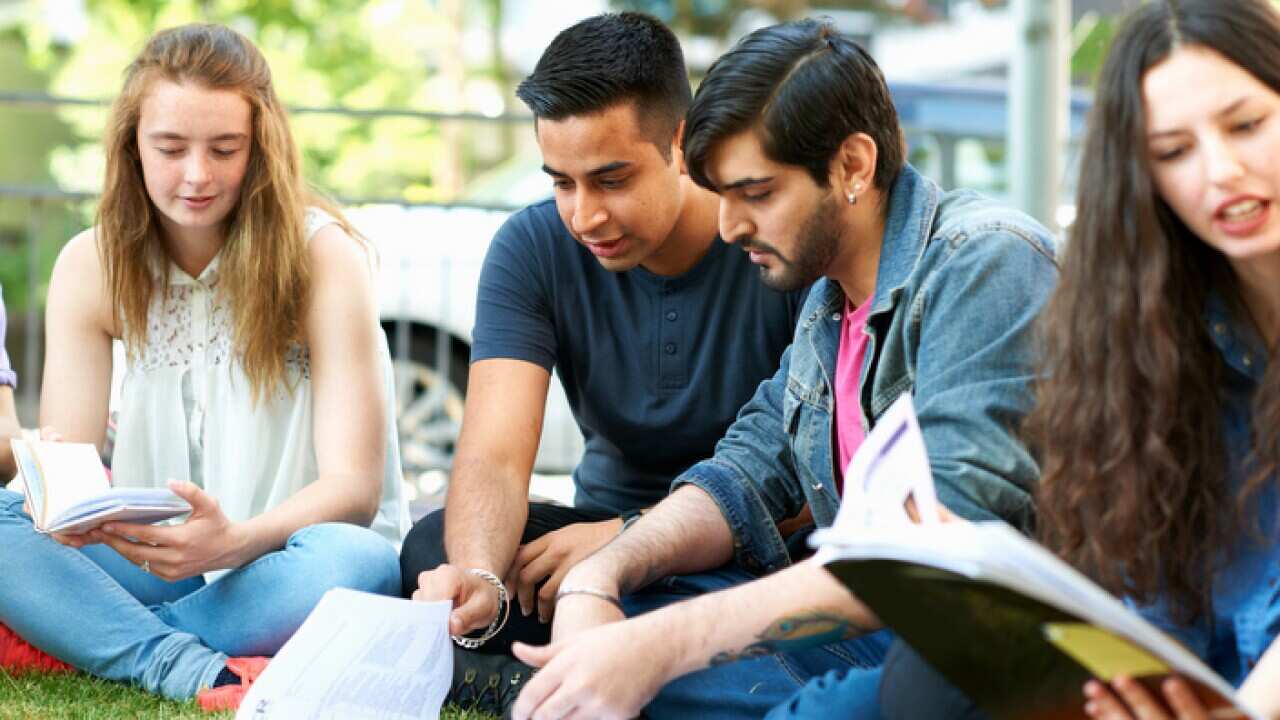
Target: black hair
(806,88)
(609,59)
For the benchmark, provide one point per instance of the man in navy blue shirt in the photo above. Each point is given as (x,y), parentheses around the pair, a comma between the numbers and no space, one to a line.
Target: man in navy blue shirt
(658,331)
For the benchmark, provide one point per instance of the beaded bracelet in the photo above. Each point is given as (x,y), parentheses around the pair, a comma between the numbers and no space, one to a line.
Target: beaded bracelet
(499,619)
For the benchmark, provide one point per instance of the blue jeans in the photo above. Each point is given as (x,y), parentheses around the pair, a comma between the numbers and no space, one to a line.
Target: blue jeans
(753,688)
(852,693)
(911,688)
(99,612)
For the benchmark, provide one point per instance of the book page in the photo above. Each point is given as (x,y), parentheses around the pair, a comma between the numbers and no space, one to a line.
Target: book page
(28,480)
(890,466)
(358,656)
(64,474)
(82,518)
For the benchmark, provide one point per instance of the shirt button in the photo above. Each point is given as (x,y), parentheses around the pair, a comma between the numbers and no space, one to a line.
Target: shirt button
(672,315)
(835,316)
(670,348)
(1219,328)
(1248,359)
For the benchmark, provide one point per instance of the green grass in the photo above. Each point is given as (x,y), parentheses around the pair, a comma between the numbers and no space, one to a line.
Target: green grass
(80,697)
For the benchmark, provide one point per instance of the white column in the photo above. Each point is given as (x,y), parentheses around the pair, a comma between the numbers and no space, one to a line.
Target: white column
(1039,82)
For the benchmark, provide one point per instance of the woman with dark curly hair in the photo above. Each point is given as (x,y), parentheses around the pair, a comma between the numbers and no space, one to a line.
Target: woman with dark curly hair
(1158,419)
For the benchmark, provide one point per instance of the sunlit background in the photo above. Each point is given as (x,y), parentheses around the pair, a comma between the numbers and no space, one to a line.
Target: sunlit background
(405,111)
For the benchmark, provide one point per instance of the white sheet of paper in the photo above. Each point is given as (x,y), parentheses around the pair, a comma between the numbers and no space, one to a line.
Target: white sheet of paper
(890,466)
(359,656)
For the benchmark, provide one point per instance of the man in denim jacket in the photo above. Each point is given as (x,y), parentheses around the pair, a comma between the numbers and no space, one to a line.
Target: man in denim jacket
(922,291)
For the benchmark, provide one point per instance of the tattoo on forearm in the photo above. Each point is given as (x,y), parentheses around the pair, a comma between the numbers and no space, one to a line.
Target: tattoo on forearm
(795,633)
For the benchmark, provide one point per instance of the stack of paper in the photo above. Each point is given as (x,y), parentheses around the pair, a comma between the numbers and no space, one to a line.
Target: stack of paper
(359,656)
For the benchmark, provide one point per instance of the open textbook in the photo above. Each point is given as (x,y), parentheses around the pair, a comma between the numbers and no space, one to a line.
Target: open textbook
(1005,620)
(359,657)
(68,490)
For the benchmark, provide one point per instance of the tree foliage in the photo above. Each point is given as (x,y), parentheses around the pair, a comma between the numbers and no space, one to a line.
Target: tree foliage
(323,53)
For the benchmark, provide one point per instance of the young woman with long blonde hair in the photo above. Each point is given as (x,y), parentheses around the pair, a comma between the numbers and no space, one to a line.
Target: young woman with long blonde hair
(258,386)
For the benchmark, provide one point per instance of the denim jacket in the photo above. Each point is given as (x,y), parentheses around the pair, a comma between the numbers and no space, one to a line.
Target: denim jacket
(958,287)
(1246,600)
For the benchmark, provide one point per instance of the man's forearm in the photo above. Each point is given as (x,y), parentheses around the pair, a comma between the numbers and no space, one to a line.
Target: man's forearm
(800,607)
(685,533)
(484,518)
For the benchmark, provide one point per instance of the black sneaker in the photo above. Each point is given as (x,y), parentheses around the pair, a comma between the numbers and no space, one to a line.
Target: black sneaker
(488,683)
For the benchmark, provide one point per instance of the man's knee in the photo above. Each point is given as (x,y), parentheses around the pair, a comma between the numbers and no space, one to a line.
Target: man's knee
(423,550)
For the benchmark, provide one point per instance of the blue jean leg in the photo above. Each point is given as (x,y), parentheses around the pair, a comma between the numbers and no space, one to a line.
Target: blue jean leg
(254,610)
(170,638)
(144,587)
(64,603)
(848,694)
(751,688)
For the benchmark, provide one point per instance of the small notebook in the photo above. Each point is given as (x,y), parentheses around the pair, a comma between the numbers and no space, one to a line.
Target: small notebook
(68,490)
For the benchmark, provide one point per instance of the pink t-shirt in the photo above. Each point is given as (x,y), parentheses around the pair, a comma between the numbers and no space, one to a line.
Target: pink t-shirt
(853,347)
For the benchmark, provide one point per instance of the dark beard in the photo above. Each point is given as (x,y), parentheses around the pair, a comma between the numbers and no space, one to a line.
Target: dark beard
(819,241)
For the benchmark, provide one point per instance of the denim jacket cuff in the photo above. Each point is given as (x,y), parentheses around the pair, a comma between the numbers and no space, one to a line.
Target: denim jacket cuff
(757,545)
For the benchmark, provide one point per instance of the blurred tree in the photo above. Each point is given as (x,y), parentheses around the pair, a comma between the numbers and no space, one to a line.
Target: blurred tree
(716,18)
(25,163)
(712,18)
(1091,38)
(351,53)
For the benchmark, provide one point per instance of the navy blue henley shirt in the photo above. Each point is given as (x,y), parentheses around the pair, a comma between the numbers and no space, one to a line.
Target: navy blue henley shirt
(655,368)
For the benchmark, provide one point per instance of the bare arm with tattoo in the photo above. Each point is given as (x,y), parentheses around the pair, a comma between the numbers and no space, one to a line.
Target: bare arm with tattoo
(801,606)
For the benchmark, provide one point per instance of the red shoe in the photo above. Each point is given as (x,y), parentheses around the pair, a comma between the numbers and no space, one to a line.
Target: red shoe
(19,656)
(228,697)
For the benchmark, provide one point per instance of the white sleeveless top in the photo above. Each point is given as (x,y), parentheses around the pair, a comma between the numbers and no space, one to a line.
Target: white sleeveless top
(185,411)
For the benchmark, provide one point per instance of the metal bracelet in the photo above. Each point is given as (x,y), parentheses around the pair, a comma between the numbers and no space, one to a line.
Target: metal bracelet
(499,619)
(611,599)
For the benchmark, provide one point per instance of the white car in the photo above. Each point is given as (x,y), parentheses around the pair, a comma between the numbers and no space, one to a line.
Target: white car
(429,261)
